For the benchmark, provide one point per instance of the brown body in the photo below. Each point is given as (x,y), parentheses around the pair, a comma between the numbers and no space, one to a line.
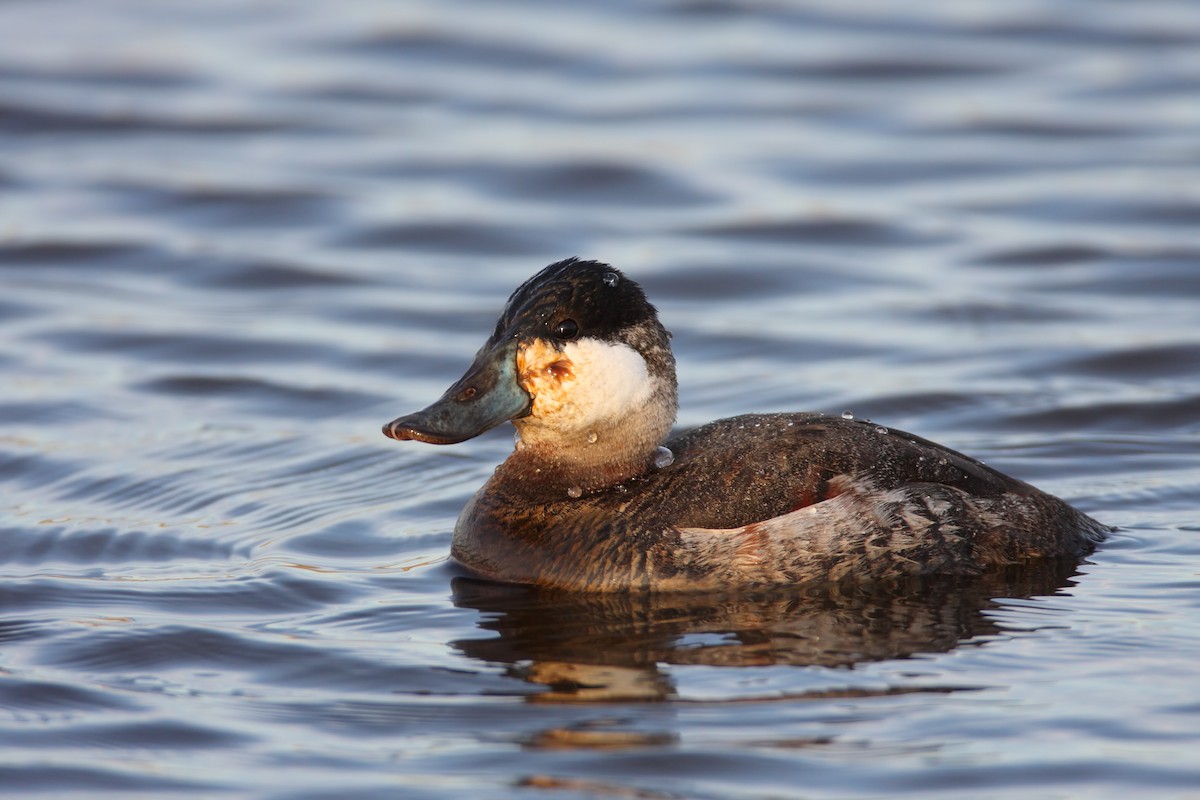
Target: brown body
(766,500)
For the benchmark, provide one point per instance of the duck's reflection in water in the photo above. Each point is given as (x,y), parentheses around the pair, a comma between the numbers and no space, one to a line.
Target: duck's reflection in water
(588,648)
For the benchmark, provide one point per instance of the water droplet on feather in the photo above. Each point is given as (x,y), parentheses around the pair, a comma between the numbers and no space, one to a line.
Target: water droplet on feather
(663,457)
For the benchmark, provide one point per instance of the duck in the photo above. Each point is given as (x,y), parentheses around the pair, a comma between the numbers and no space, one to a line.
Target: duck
(599,496)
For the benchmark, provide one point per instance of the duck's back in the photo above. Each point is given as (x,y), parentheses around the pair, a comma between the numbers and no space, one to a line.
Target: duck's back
(770,499)
(738,471)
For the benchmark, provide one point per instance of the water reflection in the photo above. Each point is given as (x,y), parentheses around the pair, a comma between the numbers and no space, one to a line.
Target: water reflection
(587,648)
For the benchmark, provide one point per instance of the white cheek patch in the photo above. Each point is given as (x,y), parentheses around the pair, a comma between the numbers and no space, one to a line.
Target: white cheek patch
(608,381)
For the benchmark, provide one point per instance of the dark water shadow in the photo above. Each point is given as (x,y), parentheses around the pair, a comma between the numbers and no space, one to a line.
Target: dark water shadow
(588,648)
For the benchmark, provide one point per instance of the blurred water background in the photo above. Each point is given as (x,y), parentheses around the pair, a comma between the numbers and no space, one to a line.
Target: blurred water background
(238,236)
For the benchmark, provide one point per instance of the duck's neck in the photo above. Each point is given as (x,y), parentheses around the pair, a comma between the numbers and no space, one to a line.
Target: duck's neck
(595,457)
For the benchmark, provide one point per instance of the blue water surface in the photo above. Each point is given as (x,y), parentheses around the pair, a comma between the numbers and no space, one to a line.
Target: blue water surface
(238,236)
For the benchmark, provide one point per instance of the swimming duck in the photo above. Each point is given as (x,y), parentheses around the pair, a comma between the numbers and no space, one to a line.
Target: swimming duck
(596,497)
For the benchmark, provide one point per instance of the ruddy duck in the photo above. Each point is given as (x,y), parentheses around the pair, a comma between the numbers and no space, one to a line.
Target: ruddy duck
(595,497)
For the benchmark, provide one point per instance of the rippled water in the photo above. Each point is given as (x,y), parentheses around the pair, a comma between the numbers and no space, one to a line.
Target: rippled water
(236,237)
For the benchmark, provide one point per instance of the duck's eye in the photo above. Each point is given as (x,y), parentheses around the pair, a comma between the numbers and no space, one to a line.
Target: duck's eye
(566,330)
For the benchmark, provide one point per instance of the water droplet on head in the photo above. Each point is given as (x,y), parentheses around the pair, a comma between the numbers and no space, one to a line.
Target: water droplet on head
(574,491)
(847,415)
(663,457)
(880,429)
(611,279)
(592,437)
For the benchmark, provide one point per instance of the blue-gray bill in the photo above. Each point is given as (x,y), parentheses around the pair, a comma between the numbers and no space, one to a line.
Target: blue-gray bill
(486,396)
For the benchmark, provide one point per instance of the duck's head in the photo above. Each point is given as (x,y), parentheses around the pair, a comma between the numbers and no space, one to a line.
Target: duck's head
(581,365)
